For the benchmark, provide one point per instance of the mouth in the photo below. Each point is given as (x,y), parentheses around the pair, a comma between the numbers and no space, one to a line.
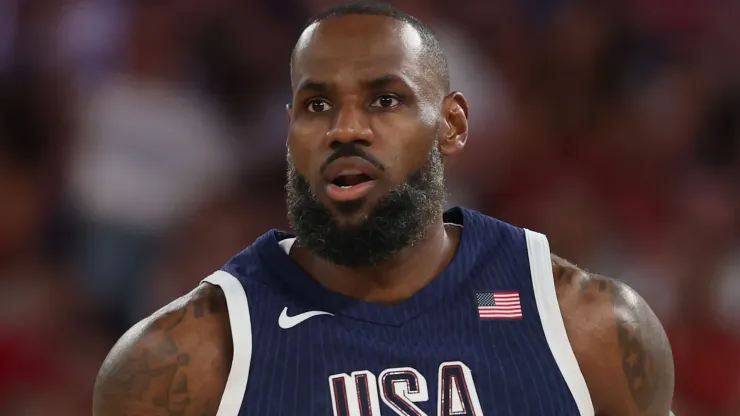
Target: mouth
(350,179)
(350,187)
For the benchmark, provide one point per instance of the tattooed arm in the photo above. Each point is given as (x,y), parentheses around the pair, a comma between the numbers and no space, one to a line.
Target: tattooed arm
(620,345)
(173,363)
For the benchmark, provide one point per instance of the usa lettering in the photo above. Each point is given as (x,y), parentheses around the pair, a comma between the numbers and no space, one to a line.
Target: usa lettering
(402,389)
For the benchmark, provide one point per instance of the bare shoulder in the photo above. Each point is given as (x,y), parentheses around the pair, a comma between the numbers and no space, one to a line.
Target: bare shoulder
(174,362)
(619,343)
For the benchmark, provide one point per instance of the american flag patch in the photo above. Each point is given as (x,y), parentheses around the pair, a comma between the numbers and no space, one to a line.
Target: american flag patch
(499,305)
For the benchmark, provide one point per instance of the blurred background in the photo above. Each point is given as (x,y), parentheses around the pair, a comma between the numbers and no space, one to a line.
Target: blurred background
(142,143)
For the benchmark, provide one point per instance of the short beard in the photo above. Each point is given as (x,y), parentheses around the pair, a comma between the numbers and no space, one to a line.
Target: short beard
(398,220)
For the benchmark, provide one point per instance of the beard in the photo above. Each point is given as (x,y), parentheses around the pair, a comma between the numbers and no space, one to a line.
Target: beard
(397,221)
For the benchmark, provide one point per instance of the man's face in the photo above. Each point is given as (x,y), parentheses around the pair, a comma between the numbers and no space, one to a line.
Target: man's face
(365,175)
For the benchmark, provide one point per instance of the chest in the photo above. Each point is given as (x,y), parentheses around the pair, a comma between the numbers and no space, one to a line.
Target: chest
(447,361)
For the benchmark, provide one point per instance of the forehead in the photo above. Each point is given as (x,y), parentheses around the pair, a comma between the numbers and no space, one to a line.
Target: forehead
(358,47)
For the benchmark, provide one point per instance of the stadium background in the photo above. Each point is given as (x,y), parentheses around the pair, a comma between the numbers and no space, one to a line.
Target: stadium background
(142,144)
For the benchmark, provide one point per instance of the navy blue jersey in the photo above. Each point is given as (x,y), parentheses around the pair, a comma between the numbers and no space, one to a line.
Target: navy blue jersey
(485,337)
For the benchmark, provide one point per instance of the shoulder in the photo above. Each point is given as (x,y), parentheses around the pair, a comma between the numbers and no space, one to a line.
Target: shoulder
(620,345)
(173,362)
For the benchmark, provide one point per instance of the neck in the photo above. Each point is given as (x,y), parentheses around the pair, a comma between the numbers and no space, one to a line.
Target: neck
(393,281)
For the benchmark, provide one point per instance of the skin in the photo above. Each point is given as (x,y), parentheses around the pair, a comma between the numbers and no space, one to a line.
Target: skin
(176,362)
(377,96)
(173,363)
(620,345)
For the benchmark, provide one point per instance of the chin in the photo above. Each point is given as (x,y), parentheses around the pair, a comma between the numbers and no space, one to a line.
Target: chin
(351,212)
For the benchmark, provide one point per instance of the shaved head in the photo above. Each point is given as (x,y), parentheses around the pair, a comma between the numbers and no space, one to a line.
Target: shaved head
(432,53)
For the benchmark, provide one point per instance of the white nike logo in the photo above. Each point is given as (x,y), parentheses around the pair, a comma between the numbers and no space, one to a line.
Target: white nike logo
(285,321)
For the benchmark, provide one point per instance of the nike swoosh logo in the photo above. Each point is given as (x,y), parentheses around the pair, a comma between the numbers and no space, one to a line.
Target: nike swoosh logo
(286,322)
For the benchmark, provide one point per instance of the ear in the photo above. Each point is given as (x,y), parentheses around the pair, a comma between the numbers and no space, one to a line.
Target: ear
(455,124)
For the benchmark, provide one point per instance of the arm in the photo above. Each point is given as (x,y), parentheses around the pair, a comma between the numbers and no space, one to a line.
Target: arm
(173,363)
(619,343)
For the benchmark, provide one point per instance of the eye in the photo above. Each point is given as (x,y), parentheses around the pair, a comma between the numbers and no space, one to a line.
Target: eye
(386,101)
(318,105)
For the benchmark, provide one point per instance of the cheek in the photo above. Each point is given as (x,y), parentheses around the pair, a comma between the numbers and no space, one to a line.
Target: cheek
(407,158)
(302,144)
(301,135)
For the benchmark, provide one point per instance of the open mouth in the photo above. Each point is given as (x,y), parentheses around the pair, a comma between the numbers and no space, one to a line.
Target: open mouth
(348,181)
(350,187)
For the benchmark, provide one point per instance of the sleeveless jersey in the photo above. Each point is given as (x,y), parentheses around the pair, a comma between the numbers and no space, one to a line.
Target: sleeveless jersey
(485,337)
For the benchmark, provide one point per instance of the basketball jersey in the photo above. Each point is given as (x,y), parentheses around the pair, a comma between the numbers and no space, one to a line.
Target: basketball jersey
(484,337)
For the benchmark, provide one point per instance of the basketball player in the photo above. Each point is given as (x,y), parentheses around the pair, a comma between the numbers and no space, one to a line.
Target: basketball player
(379,303)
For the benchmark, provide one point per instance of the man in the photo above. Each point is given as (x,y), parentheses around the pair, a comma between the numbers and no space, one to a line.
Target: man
(380,303)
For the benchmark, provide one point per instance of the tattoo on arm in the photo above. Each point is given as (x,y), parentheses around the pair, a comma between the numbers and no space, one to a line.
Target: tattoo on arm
(637,345)
(562,274)
(646,358)
(153,372)
(637,364)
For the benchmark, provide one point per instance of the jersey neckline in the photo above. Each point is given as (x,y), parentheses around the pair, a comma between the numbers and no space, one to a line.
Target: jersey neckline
(275,259)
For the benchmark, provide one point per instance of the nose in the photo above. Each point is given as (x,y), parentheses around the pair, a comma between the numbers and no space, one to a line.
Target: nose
(350,125)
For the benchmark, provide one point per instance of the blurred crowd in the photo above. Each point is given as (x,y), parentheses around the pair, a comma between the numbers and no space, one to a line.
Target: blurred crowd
(142,143)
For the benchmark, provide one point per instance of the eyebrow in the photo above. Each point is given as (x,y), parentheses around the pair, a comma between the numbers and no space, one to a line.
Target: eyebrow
(372,84)
(311,85)
(384,81)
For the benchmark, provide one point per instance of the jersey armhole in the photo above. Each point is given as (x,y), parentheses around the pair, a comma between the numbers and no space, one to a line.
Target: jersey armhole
(241,335)
(543,282)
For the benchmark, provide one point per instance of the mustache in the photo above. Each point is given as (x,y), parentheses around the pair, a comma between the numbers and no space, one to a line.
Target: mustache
(351,150)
